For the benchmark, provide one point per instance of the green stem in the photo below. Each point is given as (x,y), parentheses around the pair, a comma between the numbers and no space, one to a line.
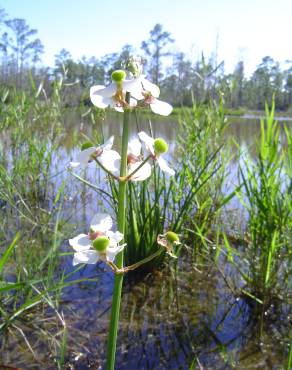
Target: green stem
(118,282)
(135,265)
(289,364)
(143,261)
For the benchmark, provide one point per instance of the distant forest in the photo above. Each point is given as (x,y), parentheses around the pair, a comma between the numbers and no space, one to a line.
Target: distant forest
(181,83)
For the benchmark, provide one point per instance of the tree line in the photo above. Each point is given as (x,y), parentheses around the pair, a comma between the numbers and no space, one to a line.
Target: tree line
(181,82)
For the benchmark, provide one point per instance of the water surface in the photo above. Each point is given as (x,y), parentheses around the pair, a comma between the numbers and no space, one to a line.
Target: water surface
(168,320)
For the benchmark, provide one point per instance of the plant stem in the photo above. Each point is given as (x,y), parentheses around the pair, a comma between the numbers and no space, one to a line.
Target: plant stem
(289,364)
(116,270)
(118,282)
(142,262)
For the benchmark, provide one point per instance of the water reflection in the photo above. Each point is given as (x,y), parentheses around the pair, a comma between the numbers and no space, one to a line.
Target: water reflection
(168,320)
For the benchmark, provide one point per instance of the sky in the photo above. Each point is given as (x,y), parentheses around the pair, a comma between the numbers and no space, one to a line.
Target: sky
(239,30)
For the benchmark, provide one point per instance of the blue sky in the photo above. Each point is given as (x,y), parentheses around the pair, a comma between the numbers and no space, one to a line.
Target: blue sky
(247,30)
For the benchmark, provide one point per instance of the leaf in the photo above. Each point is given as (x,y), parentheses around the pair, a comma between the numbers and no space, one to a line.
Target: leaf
(8,251)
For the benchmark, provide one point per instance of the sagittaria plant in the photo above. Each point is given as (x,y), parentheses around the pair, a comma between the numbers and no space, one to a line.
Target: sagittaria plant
(127,92)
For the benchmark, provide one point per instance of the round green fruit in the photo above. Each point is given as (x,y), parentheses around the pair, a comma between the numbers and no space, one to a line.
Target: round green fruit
(160,146)
(101,243)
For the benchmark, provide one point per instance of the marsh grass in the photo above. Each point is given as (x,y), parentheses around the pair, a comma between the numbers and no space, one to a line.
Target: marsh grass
(31,277)
(206,156)
(33,227)
(289,362)
(265,259)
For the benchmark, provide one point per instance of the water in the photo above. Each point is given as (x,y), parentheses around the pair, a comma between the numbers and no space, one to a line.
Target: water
(168,320)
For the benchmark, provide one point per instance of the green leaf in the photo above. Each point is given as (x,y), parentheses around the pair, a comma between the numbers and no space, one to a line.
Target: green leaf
(8,251)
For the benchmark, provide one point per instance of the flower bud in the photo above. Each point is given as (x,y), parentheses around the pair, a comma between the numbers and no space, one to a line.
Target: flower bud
(171,237)
(135,65)
(86,145)
(119,75)
(101,243)
(160,146)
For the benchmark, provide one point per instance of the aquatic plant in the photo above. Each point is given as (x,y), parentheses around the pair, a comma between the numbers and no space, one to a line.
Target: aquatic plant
(31,207)
(123,95)
(205,156)
(266,197)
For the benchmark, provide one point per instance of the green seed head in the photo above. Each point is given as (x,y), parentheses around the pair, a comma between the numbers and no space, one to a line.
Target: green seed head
(171,237)
(160,146)
(86,145)
(119,75)
(101,243)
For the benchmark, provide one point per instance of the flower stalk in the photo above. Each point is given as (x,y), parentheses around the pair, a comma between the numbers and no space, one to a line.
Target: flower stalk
(134,266)
(101,243)
(118,280)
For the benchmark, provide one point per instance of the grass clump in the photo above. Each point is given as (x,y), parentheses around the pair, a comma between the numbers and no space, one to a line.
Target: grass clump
(266,197)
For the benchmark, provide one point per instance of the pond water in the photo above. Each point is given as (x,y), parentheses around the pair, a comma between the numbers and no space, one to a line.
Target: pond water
(171,318)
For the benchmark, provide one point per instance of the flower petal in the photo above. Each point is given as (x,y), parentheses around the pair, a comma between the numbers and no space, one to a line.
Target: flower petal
(148,141)
(134,147)
(161,107)
(89,257)
(142,174)
(74,164)
(110,159)
(111,252)
(134,86)
(100,102)
(101,222)
(133,102)
(164,166)
(83,157)
(80,243)
(107,144)
(97,99)
(115,237)
(95,89)
(105,92)
(151,87)
(137,94)
(118,109)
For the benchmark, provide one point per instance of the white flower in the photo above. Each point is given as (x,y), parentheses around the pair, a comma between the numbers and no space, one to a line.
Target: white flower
(83,157)
(83,247)
(149,144)
(110,159)
(142,89)
(134,153)
(112,96)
